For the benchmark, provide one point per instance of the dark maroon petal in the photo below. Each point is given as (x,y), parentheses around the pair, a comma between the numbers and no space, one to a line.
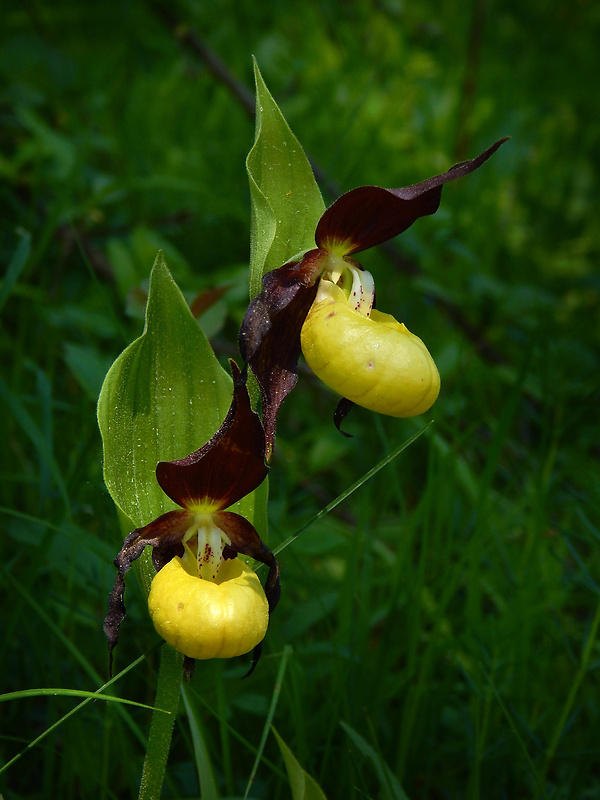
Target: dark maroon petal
(343,408)
(270,334)
(226,468)
(164,531)
(189,665)
(246,541)
(164,534)
(256,654)
(371,215)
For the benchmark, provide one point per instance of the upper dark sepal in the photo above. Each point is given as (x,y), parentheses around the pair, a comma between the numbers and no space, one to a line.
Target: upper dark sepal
(228,467)
(370,215)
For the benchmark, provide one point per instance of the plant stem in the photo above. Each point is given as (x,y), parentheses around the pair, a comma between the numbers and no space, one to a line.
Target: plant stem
(161,727)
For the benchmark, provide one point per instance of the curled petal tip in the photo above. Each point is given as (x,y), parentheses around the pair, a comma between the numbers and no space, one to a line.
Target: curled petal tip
(370,215)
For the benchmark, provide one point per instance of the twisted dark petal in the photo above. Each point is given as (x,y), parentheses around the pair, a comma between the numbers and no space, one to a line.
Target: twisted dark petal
(270,334)
(226,468)
(343,408)
(246,541)
(370,215)
(256,654)
(164,534)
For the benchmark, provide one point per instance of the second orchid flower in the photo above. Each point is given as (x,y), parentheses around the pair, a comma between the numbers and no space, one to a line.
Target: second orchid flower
(323,305)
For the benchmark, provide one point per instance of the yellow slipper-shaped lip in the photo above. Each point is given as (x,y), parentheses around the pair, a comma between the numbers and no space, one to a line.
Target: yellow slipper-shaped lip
(376,362)
(206,619)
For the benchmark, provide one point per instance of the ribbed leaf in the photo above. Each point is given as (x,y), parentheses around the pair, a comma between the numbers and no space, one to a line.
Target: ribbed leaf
(390,784)
(163,397)
(286,201)
(303,786)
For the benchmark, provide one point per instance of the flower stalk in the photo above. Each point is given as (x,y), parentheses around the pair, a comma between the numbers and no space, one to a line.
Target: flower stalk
(161,726)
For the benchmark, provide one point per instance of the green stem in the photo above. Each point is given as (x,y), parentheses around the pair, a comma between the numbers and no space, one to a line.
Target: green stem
(161,727)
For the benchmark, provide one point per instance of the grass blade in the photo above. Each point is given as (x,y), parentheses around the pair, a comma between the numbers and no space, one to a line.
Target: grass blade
(88,699)
(206,779)
(16,266)
(356,485)
(287,651)
(384,773)
(55,692)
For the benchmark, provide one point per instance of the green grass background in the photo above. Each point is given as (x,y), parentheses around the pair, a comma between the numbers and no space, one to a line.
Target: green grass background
(443,620)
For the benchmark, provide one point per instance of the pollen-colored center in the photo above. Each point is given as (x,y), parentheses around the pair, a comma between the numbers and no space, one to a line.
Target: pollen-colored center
(357,285)
(204,543)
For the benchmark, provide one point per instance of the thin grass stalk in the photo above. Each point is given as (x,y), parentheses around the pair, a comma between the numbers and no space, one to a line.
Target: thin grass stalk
(206,778)
(287,651)
(88,698)
(568,706)
(224,732)
(538,780)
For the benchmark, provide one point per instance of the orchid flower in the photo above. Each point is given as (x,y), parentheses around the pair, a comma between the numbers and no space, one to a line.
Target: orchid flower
(322,303)
(203,600)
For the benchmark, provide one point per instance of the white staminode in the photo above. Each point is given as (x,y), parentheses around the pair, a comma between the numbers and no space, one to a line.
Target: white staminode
(211,543)
(362,293)
(357,284)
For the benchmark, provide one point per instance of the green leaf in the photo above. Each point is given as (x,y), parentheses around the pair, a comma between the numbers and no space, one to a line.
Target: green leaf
(15,267)
(206,778)
(163,397)
(286,201)
(88,366)
(388,780)
(303,786)
(38,437)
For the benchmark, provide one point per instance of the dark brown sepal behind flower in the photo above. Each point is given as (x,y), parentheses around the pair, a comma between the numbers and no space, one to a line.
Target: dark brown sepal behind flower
(370,215)
(226,468)
(270,333)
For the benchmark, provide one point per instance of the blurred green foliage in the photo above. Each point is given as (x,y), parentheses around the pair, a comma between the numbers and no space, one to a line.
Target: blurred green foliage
(442,619)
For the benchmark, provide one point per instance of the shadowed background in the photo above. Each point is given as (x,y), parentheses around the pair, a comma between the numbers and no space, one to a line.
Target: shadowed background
(446,612)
